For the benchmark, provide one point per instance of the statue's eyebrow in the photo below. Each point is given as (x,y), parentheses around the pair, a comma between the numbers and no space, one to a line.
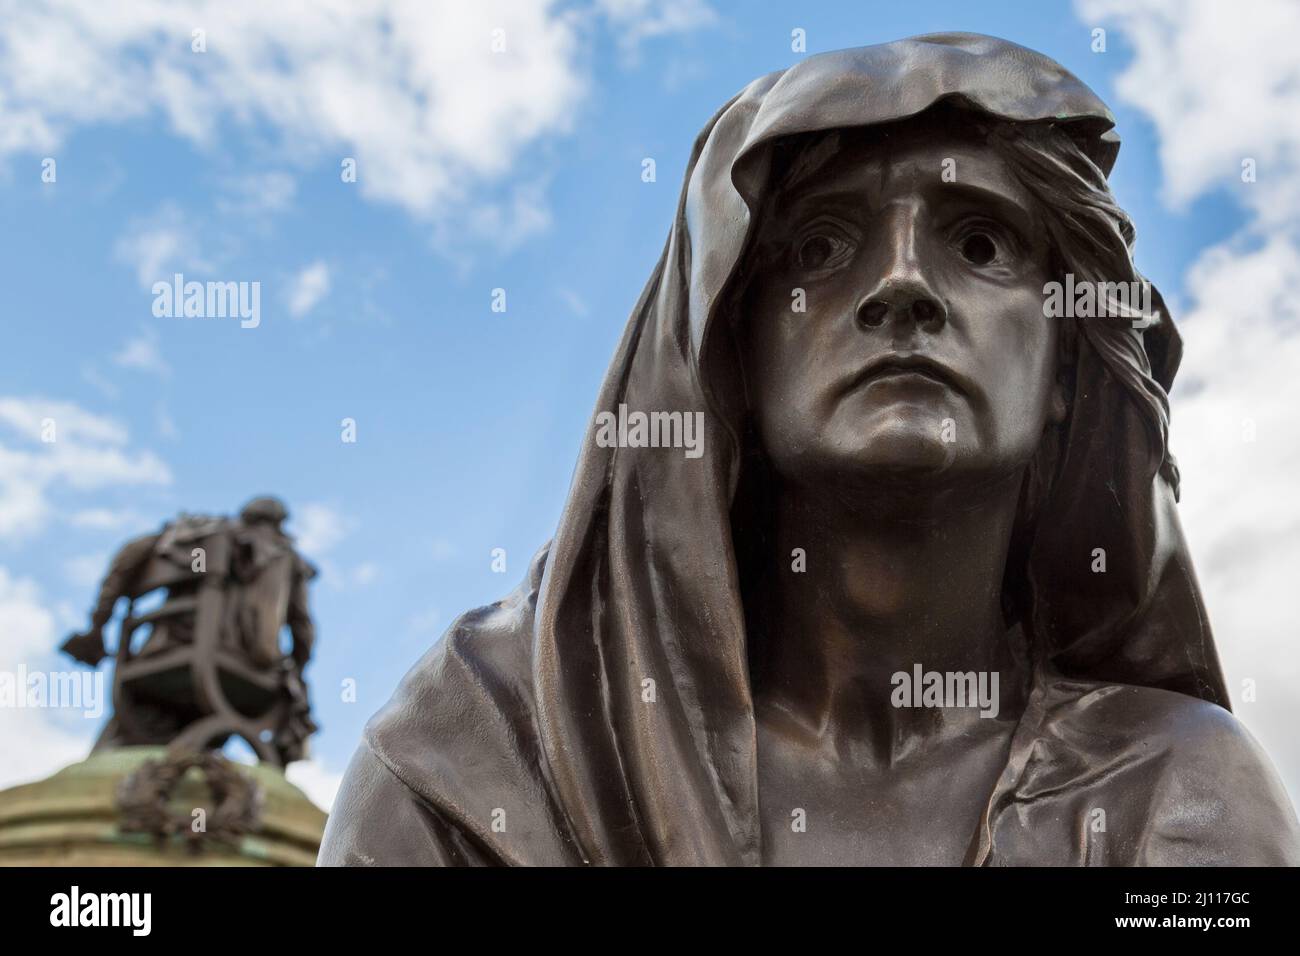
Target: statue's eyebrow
(812,199)
(1013,207)
(1000,196)
(1009,209)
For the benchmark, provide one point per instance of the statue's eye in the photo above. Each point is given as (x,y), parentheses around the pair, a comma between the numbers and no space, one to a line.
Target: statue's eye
(822,248)
(979,248)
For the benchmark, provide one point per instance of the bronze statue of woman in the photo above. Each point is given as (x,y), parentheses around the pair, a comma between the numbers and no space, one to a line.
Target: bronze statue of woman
(912,480)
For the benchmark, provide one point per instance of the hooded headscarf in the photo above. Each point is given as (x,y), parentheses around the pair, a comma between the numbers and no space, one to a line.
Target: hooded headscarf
(525,735)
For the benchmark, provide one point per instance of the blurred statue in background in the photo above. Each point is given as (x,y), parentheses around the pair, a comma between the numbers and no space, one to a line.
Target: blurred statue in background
(207,663)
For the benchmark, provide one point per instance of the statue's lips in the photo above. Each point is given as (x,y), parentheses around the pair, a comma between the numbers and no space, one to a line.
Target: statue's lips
(908,365)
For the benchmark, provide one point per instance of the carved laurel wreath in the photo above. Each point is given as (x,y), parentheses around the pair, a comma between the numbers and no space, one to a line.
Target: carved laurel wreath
(143,799)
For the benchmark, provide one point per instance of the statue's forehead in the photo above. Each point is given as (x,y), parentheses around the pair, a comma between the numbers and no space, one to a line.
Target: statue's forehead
(933,162)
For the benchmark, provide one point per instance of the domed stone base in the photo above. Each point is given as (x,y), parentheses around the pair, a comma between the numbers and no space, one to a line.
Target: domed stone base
(72,819)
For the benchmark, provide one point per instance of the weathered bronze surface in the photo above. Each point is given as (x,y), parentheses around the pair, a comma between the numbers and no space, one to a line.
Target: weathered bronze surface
(211,666)
(907,469)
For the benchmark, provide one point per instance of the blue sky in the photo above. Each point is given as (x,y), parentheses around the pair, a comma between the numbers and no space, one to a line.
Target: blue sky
(376,294)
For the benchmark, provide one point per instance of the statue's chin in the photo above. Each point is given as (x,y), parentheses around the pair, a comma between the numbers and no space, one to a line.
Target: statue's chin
(911,444)
(915,444)
(913,459)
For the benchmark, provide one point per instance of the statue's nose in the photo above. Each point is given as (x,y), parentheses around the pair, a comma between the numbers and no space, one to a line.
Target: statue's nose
(900,291)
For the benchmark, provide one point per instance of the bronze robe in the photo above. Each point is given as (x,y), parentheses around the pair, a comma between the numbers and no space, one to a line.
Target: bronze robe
(522,736)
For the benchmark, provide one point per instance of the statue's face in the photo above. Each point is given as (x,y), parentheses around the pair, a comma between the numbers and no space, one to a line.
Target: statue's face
(923,350)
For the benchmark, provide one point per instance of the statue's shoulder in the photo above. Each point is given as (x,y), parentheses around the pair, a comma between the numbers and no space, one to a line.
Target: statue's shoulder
(477,675)
(1173,723)
(487,649)
(1211,794)
(460,738)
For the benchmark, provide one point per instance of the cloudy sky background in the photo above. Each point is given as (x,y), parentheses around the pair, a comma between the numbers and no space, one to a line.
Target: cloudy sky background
(521,170)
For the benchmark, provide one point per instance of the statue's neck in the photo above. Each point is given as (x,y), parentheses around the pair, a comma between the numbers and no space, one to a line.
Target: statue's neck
(892,582)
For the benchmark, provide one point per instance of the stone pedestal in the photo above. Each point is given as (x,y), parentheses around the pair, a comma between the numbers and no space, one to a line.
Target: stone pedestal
(73,819)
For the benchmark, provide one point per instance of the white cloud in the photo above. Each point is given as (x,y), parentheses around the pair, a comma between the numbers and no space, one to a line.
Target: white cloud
(159,245)
(86,570)
(27,416)
(1239,450)
(166,424)
(508,223)
(412,90)
(403,86)
(1222,83)
(319,527)
(142,354)
(257,195)
(576,303)
(365,573)
(27,626)
(639,20)
(105,519)
(92,376)
(31,745)
(89,452)
(309,287)
(311,777)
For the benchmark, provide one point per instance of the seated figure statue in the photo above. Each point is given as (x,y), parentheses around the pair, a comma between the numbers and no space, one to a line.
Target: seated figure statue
(920,595)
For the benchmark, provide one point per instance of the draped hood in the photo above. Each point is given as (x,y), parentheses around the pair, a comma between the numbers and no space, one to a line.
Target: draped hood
(535,706)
